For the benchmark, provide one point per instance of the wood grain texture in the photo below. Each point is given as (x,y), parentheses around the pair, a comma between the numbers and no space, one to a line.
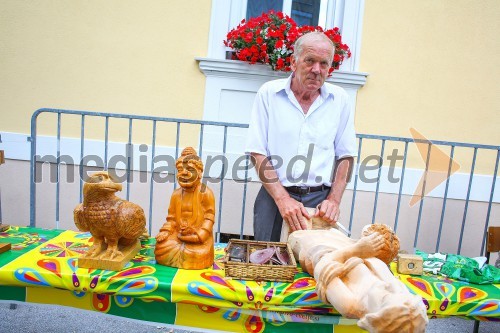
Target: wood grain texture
(186,238)
(115,264)
(112,221)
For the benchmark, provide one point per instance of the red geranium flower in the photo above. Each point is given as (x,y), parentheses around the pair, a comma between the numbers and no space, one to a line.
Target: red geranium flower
(280,63)
(269,39)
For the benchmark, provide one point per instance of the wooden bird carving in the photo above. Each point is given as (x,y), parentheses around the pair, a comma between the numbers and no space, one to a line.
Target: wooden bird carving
(111,220)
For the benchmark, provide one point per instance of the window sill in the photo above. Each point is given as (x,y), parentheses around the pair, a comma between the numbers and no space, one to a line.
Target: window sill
(243,70)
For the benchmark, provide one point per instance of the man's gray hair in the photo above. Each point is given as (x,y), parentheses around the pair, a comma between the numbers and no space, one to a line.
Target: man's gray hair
(311,38)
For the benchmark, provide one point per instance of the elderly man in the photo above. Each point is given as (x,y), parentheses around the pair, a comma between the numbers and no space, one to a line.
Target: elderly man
(302,142)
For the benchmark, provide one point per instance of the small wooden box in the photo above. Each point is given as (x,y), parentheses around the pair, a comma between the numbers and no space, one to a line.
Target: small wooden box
(410,264)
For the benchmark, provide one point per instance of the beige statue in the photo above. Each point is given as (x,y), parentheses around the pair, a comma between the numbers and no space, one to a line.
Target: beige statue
(351,277)
(186,238)
(115,224)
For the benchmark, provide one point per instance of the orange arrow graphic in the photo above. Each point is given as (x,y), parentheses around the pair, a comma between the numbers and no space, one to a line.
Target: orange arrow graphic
(437,169)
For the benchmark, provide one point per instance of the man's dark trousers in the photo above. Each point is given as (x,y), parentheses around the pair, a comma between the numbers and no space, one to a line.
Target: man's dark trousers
(267,220)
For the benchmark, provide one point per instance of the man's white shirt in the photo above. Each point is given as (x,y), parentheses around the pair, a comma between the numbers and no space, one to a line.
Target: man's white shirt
(302,147)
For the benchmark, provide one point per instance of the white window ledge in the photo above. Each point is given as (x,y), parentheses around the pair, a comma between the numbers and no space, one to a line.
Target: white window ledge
(242,70)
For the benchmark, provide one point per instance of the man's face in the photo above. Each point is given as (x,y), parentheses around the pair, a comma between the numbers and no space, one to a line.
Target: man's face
(311,67)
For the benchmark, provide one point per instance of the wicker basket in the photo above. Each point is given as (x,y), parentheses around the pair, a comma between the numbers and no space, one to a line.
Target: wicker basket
(259,272)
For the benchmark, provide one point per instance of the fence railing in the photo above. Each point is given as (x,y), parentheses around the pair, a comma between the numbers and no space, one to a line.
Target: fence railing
(396,179)
(446,179)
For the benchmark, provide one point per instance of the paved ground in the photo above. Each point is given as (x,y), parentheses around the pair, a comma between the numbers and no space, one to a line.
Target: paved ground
(34,318)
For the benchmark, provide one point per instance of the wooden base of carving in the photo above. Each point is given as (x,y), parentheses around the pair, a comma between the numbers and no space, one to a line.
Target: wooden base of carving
(4,227)
(116,264)
(4,247)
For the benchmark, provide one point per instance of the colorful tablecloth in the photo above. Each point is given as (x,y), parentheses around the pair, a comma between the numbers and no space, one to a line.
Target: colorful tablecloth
(444,297)
(201,298)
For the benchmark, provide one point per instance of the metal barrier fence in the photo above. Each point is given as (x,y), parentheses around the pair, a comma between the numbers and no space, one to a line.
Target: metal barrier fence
(131,118)
(355,186)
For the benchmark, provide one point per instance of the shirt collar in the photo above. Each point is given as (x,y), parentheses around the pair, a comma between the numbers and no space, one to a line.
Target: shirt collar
(324,91)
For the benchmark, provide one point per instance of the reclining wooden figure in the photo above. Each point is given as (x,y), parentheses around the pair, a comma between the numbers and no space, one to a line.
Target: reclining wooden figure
(115,224)
(352,276)
(186,239)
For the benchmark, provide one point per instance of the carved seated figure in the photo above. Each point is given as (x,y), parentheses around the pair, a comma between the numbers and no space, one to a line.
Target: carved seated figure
(351,277)
(186,238)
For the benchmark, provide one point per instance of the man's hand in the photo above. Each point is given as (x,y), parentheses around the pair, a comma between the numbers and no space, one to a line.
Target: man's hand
(329,211)
(293,212)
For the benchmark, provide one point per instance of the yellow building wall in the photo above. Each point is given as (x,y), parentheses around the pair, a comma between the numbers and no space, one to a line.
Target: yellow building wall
(116,56)
(433,65)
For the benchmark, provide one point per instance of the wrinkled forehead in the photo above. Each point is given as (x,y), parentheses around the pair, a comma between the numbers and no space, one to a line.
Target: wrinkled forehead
(319,49)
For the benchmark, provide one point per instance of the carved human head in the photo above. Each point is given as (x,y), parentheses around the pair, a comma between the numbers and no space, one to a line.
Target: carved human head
(400,312)
(189,168)
(391,246)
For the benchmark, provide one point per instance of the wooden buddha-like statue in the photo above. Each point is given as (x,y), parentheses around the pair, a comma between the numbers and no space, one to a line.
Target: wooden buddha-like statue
(186,238)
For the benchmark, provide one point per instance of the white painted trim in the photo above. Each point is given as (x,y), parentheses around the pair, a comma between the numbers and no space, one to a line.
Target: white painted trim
(330,14)
(349,18)
(359,31)
(238,12)
(323,13)
(287,7)
(212,67)
(17,147)
(220,24)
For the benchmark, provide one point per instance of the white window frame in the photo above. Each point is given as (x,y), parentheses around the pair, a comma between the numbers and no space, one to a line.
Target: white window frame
(347,15)
(287,9)
(231,85)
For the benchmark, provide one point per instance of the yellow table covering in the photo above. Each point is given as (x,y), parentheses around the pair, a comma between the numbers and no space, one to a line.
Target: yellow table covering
(200,298)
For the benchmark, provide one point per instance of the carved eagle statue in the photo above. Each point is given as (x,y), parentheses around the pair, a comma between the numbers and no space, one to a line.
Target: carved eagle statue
(111,220)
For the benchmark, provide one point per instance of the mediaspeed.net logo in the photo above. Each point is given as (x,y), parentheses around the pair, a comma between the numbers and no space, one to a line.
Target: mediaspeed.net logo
(440,166)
